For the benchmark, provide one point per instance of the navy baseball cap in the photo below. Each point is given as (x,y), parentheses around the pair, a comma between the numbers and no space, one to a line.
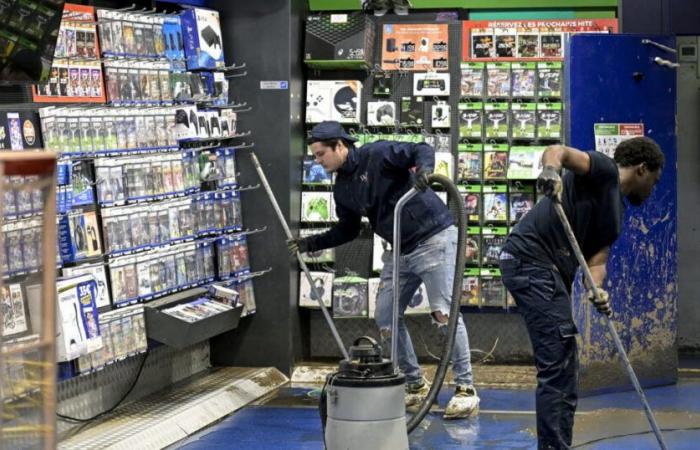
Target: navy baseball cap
(329,130)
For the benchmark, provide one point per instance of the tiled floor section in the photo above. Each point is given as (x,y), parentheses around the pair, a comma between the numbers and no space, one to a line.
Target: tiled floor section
(290,420)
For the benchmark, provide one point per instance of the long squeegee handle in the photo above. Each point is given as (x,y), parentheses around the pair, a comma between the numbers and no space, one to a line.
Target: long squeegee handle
(611,327)
(302,264)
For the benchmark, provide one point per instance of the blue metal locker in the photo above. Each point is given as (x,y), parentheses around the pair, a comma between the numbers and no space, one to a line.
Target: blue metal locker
(614,79)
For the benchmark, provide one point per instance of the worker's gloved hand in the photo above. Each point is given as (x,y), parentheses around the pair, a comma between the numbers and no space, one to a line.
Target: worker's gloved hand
(549,182)
(296,245)
(422,182)
(602,304)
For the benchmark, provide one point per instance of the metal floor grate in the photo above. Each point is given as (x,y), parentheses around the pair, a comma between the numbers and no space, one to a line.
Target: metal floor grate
(173,414)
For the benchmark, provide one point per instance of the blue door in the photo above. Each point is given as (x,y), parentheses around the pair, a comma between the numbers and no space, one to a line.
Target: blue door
(614,79)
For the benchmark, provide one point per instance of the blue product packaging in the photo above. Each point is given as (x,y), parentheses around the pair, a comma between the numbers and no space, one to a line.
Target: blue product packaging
(201,31)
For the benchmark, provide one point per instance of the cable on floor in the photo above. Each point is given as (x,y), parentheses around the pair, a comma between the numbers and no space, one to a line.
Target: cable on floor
(131,388)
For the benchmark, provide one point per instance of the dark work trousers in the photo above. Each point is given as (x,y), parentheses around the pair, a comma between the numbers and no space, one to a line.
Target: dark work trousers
(543,300)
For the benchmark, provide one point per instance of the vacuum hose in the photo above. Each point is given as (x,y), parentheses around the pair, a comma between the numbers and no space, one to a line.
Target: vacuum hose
(461,215)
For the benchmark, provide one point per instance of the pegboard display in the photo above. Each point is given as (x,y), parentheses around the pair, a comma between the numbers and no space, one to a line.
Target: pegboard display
(489,122)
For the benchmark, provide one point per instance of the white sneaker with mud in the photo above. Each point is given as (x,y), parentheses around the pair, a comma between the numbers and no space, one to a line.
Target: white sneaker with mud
(465,403)
(415,394)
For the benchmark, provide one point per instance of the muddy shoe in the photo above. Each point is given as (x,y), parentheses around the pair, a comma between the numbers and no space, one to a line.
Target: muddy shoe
(415,394)
(465,403)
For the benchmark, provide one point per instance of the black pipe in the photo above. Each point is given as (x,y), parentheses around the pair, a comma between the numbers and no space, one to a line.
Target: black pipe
(453,193)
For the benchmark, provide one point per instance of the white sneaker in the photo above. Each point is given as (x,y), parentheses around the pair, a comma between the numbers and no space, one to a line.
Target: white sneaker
(465,403)
(415,394)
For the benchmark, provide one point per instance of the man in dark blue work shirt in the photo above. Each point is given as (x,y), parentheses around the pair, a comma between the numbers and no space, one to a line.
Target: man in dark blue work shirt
(538,264)
(370,180)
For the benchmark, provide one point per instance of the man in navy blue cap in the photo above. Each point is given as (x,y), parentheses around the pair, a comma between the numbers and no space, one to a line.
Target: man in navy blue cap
(370,180)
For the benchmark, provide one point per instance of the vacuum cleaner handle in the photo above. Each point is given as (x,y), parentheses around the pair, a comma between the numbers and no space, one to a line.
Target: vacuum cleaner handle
(611,327)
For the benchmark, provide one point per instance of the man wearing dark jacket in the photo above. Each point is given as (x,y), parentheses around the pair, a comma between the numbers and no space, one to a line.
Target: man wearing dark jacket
(538,264)
(369,182)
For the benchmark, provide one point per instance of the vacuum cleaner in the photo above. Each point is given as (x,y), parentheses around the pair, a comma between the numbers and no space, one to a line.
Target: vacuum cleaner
(362,404)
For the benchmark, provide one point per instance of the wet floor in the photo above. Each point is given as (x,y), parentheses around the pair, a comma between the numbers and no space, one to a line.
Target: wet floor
(290,420)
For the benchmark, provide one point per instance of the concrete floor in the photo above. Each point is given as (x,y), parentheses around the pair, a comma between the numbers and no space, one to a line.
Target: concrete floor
(290,420)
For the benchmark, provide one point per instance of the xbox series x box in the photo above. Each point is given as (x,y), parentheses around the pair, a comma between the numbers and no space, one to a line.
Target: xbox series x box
(339,41)
(201,31)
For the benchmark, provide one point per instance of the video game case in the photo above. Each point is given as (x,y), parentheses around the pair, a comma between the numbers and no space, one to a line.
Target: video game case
(523,120)
(495,204)
(323,282)
(523,79)
(525,162)
(498,76)
(350,297)
(471,120)
(495,161)
(493,292)
(472,80)
(492,241)
(473,246)
(552,44)
(472,201)
(549,79)
(496,121)
(470,163)
(549,121)
(482,43)
(471,289)
(522,199)
(247,296)
(528,44)
(505,41)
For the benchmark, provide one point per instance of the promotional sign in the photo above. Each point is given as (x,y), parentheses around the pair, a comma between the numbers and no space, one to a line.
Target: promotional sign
(517,40)
(415,47)
(609,135)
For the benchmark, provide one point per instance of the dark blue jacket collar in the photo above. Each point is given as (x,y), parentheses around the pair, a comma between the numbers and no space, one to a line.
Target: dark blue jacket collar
(351,163)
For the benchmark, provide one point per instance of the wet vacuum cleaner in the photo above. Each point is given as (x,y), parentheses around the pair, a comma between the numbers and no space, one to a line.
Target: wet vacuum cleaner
(363,404)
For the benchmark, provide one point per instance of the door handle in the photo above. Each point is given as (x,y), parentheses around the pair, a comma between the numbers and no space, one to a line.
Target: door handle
(666,63)
(657,45)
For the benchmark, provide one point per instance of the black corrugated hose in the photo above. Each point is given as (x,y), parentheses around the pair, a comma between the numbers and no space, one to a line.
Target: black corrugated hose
(461,216)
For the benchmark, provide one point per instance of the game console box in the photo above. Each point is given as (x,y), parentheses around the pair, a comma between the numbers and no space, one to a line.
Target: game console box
(77,329)
(323,281)
(435,84)
(337,100)
(79,236)
(339,41)
(350,297)
(381,114)
(201,32)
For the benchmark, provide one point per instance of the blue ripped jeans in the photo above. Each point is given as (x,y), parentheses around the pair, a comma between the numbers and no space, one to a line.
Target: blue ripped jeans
(432,263)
